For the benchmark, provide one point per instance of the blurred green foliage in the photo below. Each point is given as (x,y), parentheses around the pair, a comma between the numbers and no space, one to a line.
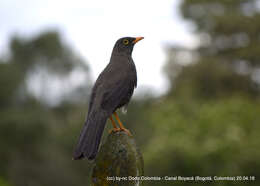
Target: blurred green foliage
(3,182)
(215,138)
(207,124)
(37,139)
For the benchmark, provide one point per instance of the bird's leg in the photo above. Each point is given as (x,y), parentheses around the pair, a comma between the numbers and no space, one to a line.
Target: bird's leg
(121,126)
(115,129)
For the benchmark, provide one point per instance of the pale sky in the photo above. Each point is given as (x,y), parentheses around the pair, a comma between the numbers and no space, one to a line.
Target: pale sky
(92,27)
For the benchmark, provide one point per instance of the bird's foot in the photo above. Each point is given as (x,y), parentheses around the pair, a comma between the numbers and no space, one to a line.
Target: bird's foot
(114,130)
(126,131)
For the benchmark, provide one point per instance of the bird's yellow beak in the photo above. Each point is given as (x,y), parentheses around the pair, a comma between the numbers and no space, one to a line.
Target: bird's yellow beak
(137,39)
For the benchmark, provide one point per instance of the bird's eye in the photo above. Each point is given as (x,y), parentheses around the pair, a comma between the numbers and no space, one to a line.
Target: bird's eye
(125,41)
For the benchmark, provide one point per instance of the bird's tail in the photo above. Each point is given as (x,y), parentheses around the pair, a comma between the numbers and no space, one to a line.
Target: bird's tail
(90,136)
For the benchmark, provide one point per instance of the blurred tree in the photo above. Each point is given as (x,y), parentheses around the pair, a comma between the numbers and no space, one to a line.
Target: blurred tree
(10,78)
(206,125)
(42,60)
(214,138)
(228,29)
(226,61)
(209,78)
(36,140)
(45,50)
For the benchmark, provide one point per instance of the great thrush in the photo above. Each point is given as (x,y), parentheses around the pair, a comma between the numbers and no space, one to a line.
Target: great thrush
(113,89)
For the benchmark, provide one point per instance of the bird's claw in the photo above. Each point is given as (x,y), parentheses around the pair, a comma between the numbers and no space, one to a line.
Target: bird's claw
(126,131)
(120,129)
(114,130)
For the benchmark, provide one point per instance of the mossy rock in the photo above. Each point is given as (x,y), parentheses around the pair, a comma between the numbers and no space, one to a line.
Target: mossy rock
(118,158)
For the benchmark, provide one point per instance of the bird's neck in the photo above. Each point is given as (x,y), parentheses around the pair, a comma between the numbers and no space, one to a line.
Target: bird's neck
(121,55)
(123,52)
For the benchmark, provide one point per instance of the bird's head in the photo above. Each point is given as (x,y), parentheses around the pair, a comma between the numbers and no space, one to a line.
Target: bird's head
(125,45)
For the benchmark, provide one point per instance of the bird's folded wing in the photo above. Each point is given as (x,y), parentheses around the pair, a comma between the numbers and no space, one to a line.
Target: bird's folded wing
(117,94)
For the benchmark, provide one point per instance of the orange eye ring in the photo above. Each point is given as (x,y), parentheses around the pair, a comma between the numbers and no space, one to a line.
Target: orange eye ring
(125,41)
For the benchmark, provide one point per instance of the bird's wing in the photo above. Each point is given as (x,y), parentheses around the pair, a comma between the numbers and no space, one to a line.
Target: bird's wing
(118,93)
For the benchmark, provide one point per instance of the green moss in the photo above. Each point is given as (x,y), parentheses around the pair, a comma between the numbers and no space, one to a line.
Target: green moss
(118,157)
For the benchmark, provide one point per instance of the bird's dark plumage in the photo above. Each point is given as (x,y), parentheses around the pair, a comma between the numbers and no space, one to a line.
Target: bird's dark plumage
(112,90)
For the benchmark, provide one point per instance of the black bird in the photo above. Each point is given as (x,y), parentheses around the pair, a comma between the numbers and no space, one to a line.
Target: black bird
(112,90)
